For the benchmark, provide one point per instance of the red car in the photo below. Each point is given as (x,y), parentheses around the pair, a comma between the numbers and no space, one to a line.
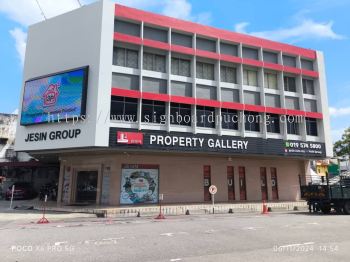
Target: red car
(23,190)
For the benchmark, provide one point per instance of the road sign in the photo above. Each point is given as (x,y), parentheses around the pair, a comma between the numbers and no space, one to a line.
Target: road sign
(213,189)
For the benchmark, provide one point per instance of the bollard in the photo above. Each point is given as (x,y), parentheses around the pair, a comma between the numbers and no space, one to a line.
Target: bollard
(230,211)
(187,212)
(295,208)
(264,208)
(138,214)
(43,220)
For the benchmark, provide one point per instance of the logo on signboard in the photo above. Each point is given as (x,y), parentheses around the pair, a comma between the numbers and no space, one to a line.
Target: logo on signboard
(51,95)
(129,138)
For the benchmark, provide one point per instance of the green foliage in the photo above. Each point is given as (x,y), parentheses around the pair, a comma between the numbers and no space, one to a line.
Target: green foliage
(342,147)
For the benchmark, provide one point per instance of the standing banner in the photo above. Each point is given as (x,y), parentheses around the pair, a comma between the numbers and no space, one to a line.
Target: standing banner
(139,184)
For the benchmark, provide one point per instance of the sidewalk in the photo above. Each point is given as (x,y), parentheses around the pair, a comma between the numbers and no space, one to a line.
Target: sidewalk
(167,209)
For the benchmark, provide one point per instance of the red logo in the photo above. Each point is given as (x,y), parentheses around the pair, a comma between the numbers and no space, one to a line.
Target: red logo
(51,95)
(129,138)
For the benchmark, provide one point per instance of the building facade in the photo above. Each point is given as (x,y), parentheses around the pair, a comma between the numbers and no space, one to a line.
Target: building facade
(173,107)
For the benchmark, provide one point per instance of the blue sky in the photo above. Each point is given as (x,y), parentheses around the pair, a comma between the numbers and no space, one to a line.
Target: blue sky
(316,24)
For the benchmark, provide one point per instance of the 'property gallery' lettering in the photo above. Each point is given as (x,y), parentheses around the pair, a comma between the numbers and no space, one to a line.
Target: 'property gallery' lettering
(182,141)
(53,135)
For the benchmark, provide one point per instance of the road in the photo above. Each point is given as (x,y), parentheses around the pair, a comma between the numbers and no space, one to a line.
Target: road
(228,237)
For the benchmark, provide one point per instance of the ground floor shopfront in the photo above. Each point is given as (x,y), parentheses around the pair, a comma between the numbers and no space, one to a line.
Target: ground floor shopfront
(131,178)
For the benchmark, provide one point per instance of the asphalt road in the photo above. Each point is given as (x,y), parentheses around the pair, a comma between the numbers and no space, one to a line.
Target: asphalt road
(230,237)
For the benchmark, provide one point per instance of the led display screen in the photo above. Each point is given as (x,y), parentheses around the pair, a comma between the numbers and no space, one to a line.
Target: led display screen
(54,97)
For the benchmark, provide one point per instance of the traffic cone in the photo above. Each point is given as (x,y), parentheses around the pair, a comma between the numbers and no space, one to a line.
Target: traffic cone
(264,208)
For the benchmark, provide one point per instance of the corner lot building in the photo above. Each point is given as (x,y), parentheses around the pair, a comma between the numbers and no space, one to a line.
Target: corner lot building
(156,92)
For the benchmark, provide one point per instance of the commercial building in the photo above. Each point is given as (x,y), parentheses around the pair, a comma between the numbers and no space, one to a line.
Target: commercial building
(151,95)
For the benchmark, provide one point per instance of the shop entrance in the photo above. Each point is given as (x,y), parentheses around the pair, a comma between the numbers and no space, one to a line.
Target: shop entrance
(86,186)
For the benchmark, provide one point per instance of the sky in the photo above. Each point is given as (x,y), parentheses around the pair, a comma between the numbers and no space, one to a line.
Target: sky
(317,24)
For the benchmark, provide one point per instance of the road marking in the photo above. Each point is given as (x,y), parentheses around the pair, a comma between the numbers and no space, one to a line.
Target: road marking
(60,243)
(252,228)
(299,244)
(175,259)
(210,231)
(167,234)
(313,223)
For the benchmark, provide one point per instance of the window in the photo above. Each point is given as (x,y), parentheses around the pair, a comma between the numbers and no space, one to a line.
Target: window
(229,119)
(127,28)
(155,34)
(250,77)
(273,123)
(205,116)
(125,57)
(308,86)
(154,85)
(272,100)
(206,44)
(292,125)
(180,114)
(311,126)
(270,80)
(206,92)
(125,81)
(250,53)
(181,67)
(181,88)
(228,49)
(181,39)
(270,57)
(289,61)
(154,62)
(153,111)
(252,121)
(289,84)
(251,98)
(307,64)
(310,105)
(205,71)
(228,74)
(229,95)
(123,109)
(292,102)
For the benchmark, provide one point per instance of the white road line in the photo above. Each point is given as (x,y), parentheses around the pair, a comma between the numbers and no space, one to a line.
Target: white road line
(252,228)
(299,244)
(60,243)
(175,259)
(167,234)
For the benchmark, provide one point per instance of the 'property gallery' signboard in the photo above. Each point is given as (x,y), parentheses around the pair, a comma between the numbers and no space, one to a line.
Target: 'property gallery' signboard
(177,141)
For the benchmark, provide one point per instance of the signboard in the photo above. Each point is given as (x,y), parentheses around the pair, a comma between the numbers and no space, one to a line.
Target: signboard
(56,97)
(129,138)
(139,184)
(213,189)
(177,141)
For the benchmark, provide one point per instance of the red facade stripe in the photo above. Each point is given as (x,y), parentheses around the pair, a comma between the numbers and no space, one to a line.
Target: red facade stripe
(154,96)
(274,110)
(207,54)
(156,44)
(292,70)
(183,100)
(164,21)
(207,102)
(314,115)
(116,91)
(273,66)
(230,58)
(231,105)
(182,49)
(310,73)
(127,38)
(255,108)
(252,62)
(295,112)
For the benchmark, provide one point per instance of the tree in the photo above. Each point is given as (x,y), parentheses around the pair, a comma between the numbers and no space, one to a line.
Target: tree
(342,147)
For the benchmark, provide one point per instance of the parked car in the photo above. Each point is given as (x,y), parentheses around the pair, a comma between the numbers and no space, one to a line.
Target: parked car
(23,190)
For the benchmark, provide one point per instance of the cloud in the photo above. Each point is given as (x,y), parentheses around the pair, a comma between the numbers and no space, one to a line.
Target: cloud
(339,112)
(337,134)
(304,29)
(182,9)
(20,38)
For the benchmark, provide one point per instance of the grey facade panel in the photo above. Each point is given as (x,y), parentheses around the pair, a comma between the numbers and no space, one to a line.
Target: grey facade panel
(307,64)
(155,34)
(250,53)
(292,103)
(205,44)
(228,49)
(272,100)
(252,98)
(127,28)
(229,95)
(206,92)
(310,105)
(154,85)
(289,61)
(270,57)
(181,39)
(125,81)
(181,89)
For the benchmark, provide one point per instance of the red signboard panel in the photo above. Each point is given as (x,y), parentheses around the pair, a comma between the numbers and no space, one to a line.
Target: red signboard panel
(129,138)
